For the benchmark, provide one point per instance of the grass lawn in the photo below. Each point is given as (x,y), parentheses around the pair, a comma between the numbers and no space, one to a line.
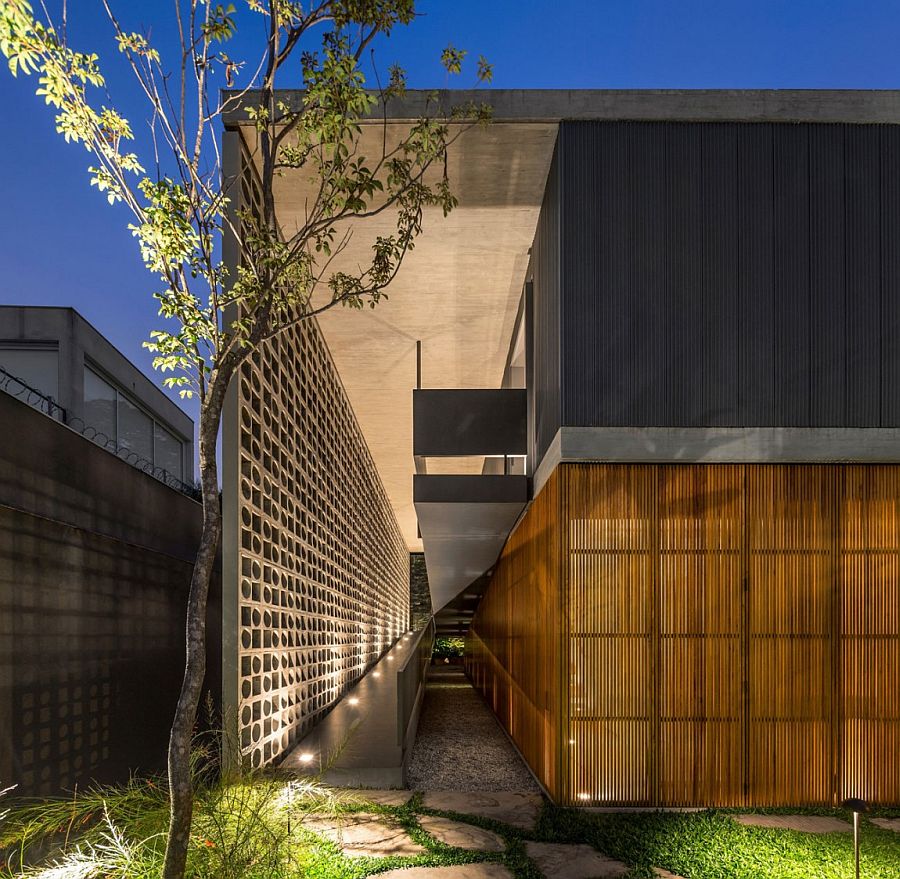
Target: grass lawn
(255,830)
(711,845)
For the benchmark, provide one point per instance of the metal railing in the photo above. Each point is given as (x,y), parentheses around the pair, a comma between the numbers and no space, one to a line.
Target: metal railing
(17,387)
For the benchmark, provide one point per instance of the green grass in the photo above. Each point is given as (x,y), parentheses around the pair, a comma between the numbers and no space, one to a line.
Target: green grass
(711,845)
(254,829)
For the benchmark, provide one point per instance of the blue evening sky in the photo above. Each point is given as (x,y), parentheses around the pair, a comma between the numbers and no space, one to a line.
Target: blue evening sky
(62,245)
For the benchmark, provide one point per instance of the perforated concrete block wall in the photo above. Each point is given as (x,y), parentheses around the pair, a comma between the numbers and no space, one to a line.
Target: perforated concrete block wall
(320,576)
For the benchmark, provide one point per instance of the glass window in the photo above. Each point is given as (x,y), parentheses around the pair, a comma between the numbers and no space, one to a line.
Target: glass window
(99,409)
(135,429)
(38,367)
(167,452)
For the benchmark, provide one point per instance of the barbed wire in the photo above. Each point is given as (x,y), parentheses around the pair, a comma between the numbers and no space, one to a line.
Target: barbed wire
(16,387)
(19,388)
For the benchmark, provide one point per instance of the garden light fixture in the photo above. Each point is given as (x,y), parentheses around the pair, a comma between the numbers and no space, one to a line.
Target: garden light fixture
(856,806)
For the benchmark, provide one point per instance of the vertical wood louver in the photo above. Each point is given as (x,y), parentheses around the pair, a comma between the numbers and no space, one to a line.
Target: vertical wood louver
(678,635)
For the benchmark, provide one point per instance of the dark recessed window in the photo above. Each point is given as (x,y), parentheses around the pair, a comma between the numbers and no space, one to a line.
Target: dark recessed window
(115,420)
(38,367)
(135,428)
(167,451)
(100,409)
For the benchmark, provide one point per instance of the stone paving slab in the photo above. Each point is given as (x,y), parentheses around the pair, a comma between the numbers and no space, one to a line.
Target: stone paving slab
(573,861)
(803,823)
(463,871)
(665,874)
(380,796)
(510,807)
(461,835)
(364,836)
(887,823)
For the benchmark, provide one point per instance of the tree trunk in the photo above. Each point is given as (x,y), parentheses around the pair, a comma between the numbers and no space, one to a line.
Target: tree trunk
(181,791)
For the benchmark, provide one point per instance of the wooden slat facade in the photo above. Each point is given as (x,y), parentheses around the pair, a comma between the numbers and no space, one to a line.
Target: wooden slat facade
(515,658)
(678,635)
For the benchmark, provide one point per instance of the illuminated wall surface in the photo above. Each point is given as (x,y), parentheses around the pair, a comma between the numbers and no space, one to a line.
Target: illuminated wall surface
(323,570)
(701,635)
(319,582)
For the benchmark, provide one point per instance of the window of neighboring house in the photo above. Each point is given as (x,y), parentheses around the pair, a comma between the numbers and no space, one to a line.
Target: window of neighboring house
(114,416)
(135,429)
(168,452)
(100,409)
(37,366)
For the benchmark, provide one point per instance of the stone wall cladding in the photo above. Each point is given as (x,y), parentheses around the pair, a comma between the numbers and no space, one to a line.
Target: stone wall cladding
(419,593)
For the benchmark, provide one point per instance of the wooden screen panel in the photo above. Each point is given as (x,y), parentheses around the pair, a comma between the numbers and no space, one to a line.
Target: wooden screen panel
(869,651)
(721,635)
(701,668)
(514,646)
(609,515)
(791,531)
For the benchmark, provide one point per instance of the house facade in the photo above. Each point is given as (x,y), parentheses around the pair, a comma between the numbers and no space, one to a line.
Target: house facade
(652,456)
(712,547)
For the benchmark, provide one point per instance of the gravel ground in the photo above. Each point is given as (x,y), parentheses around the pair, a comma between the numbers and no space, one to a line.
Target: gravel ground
(460,745)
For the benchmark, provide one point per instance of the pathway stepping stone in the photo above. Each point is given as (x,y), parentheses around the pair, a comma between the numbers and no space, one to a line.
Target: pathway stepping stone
(380,797)
(461,835)
(803,823)
(463,871)
(510,807)
(887,823)
(364,836)
(573,861)
(665,874)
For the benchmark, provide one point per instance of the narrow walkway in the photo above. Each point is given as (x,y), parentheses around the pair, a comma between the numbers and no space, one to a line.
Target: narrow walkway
(460,744)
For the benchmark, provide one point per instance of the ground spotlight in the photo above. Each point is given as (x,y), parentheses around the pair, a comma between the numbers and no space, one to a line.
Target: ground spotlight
(857,806)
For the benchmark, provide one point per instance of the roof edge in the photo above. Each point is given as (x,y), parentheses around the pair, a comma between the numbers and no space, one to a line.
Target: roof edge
(860,106)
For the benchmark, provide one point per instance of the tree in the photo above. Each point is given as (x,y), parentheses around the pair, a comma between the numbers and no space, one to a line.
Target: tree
(215,319)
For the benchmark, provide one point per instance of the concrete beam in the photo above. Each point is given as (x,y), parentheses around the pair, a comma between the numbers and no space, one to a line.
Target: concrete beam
(465,521)
(687,105)
(466,489)
(720,445)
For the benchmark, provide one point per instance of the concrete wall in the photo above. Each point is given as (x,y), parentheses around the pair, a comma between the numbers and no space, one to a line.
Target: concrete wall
(95,563)
(543,307)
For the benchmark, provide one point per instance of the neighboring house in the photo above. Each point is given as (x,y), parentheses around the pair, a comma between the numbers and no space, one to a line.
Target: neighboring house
(682,309)
(96,552)
(98,391)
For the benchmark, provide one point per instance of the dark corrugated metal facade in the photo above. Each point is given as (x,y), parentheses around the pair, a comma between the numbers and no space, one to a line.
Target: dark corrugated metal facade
(718,274)
(544,378)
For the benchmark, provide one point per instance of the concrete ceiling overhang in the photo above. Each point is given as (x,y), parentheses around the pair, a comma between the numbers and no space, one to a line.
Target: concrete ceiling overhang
(457,292)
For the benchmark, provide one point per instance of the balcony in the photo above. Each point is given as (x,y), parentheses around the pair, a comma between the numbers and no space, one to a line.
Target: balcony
(471,481)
